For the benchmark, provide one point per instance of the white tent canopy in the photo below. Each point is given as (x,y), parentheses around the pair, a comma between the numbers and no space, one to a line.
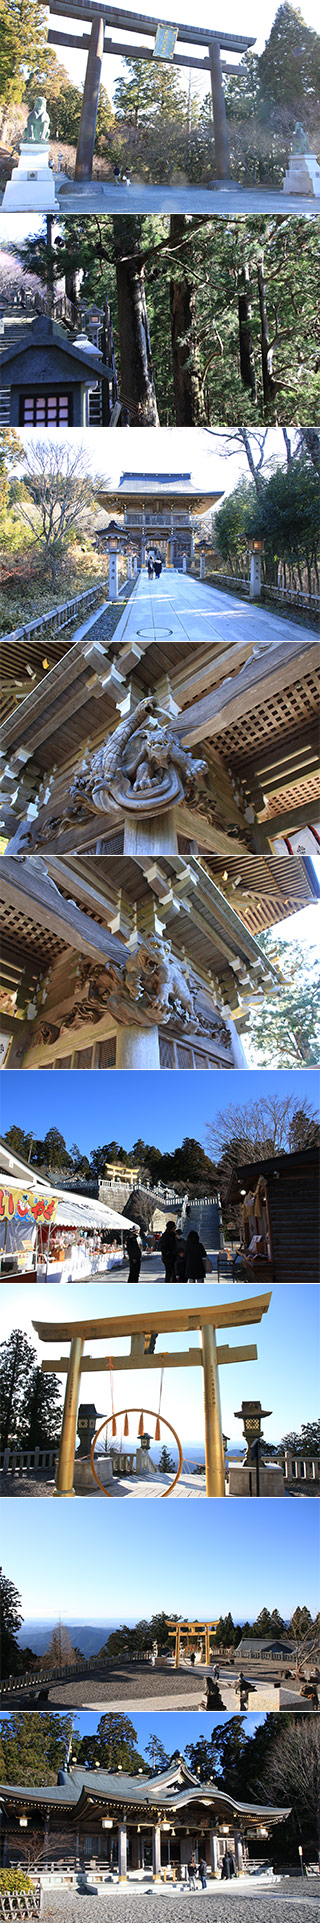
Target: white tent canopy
(76,1211)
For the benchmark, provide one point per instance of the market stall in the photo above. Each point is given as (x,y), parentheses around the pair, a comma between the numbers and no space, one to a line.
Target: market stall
(49,1234)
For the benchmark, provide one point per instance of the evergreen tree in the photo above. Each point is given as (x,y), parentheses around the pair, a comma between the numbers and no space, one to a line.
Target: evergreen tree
(166,1462)
(10,1621)
(60,1649)
(113,1747)
(30,1402)
(23,47)
(33,1746)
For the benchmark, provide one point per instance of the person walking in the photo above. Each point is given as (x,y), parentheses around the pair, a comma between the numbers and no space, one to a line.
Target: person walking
(203,1872)
(168,1250)
(196,1258)
(134,1253)
(150,567)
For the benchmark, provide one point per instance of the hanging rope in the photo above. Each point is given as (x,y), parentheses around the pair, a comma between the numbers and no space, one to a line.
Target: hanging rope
(157,1433)
(114,1425)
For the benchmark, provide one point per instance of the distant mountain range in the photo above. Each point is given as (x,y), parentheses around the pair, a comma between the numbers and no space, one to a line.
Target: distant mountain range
(88,1637)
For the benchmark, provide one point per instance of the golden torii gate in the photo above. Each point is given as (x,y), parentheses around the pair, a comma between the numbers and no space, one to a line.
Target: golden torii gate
(139,1327)
(193,1629)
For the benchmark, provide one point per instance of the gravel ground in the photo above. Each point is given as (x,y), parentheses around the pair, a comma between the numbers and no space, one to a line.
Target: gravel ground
(189,1488)
(292,1902)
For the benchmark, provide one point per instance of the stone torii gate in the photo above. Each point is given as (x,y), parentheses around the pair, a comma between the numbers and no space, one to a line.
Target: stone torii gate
(139,1327)
(97,45)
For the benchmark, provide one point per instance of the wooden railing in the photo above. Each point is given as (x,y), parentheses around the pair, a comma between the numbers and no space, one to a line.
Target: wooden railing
(57,617)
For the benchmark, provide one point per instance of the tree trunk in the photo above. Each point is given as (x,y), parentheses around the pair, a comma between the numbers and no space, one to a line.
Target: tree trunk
(188,390)
(247,366)
(266,350)
(137,387)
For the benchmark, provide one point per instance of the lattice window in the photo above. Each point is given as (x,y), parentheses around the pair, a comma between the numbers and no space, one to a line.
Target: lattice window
(63,1061)
(184,1056)
(166,1052)
(107,1053)
(46,410)
(83,1058)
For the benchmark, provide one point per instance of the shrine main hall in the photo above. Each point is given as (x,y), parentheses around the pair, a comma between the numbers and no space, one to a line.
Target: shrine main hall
(134,1823)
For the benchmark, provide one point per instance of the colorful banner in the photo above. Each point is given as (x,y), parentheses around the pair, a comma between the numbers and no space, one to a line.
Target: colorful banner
(165,42)
(21,1202)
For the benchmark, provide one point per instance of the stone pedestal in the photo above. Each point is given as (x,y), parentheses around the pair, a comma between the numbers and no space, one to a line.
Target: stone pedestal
(255,577)
(265,1697)
(202,567)
(303,176)
(243,1479)
(83,1480)
(32,183)
(129,567)
(138,1047)
(113,578)
(184,563)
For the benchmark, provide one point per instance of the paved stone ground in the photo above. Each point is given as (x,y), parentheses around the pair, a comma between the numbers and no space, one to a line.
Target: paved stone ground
(184,609)
(104,197)
(293,1901)
(189,1487)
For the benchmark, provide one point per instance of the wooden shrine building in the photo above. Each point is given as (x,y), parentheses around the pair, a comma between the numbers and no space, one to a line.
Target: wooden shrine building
(279,1198)
(158,512)
(231,725)
(144,1822)
(140,964)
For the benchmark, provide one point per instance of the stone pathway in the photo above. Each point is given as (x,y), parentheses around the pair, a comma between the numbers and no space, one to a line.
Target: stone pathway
(103,196)
(179,608)
(294,1903)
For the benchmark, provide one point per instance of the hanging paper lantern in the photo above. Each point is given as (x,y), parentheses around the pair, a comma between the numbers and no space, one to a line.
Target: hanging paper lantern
(126,1426)
(157,1434)
(141,1425)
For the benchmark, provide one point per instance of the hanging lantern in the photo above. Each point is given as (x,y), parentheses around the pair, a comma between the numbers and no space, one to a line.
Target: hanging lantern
(114,1426)
(141,1425)
(157,1433)
(126,1425)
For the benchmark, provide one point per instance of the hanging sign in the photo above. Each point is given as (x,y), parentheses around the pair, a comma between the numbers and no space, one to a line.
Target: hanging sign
(19,1203)
(165,42)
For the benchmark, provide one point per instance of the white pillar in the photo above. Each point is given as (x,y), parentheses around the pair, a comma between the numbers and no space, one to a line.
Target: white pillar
(129,567)
(202,567)
(142,833)
(113,577)
(214,1853)
(122,1852)
(138,1047)
(156,1853)
(255,577)
(184,563)
(239,1056)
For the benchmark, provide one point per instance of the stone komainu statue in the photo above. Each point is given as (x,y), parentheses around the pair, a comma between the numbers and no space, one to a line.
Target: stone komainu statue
(300,140)
(38,124)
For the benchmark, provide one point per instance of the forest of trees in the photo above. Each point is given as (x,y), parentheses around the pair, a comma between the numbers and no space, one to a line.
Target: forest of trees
(273,1125)
(214,320)
(159,127)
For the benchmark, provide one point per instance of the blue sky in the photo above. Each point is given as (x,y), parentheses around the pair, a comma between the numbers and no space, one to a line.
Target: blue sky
(97,1108)
(286,1375)
(173,1731)
(77,1561)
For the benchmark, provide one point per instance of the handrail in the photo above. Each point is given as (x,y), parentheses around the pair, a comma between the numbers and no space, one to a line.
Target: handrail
(58,617)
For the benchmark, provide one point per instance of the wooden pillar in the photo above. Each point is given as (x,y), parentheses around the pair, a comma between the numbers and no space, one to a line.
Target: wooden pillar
(215,1468)
(177,1648)
(221,140)
(156,1853)
(87,129)
(122,1851)
(140,832)
(65,1467)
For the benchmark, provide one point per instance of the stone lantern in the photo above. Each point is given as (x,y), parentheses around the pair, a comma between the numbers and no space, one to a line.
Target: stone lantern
(113,546)
(257,550)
